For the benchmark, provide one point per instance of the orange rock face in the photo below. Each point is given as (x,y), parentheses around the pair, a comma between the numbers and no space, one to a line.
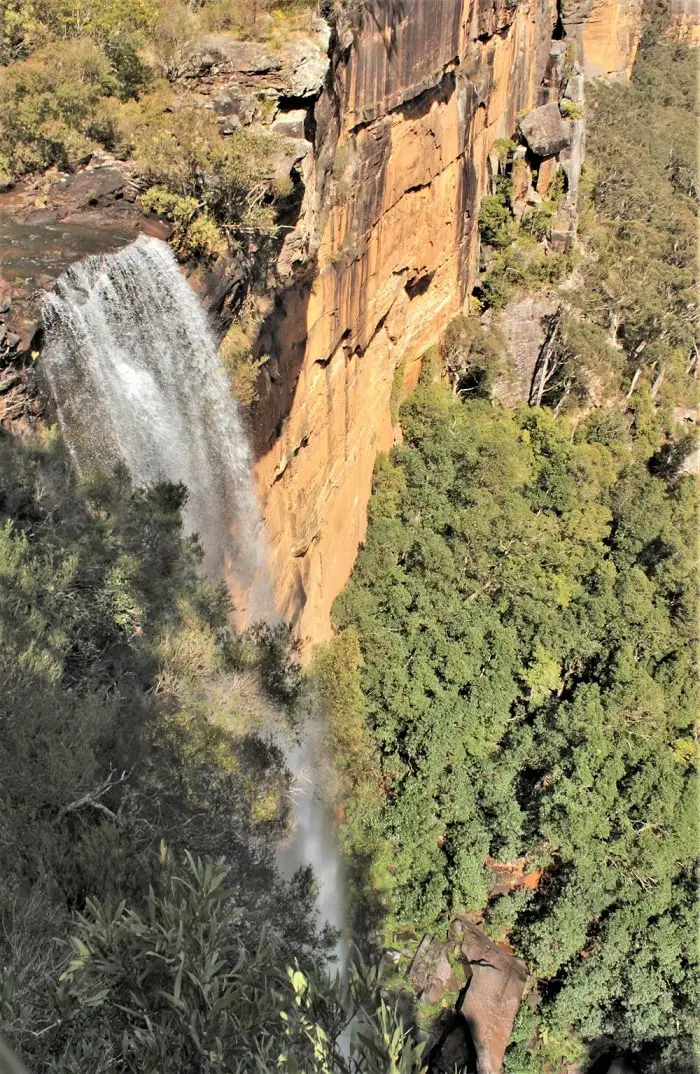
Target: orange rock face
(382,257)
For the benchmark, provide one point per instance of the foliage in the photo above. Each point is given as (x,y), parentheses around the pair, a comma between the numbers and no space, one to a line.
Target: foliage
(523,265)
(496,222)
(525,608)
(639,216)
(195,234)
(583,365)
(84,76)
(184,982)
(131,714)
(184,154)
(236,355)
(569,109)
(472,356)
(55,108)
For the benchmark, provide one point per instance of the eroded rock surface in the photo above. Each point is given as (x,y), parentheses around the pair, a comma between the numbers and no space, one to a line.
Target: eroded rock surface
(384,253)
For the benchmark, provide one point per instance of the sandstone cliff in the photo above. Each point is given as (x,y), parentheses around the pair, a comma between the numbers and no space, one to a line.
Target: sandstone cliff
(389,124)
(384,252)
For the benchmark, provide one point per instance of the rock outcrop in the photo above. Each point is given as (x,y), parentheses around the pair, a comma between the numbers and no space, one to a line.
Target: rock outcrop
(480,986)
(385,250)
(605,35)
(685,21)
(389,126)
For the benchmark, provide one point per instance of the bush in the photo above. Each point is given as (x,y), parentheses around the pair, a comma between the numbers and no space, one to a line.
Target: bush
(243,369)
(56,107)
(472,356)
(195,234)
(183,153)
(522,266)
(496,222)
(569,109)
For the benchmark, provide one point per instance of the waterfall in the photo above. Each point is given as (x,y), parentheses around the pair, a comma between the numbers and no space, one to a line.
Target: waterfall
(313,841)
(133,368)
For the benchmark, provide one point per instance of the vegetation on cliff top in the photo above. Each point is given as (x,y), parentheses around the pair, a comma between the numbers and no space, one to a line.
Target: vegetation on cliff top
(78,77)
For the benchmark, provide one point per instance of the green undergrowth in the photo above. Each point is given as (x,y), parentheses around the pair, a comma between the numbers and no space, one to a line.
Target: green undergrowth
(81,77)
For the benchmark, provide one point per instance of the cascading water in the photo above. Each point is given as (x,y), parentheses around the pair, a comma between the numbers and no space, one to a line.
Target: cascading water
(133,369)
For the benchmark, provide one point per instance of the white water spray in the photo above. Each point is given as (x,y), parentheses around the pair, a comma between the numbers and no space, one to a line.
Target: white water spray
(133,370)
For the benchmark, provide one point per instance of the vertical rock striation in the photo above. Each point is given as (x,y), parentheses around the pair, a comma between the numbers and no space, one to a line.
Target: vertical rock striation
(385,249)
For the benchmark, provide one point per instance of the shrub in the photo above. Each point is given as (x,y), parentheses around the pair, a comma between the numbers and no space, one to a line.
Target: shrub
(56,107)
(195,234)
(496,223)
(472,356)
(183,153)
(569,109)
(238,361)
(523,265)
(536,223)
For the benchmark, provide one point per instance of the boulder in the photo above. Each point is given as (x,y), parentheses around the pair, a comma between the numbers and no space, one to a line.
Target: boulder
(290,124)
(432,972)
(230,103)
(308,64)
(544,130)
(492,998)
(92,186)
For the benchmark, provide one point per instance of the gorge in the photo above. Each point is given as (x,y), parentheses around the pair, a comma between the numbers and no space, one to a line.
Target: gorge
(393,151)
(391,303)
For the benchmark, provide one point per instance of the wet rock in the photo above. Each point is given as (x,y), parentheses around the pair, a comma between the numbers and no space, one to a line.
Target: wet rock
(92,186)
(544,130)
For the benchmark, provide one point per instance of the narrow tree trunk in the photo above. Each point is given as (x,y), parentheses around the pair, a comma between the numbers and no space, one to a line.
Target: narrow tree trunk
(633,385)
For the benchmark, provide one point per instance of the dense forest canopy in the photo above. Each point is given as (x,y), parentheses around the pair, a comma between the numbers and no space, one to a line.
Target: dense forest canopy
(517,646)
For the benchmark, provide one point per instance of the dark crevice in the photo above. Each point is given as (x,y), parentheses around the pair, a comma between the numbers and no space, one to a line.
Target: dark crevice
(488,35)
(419,284)
(559,33)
